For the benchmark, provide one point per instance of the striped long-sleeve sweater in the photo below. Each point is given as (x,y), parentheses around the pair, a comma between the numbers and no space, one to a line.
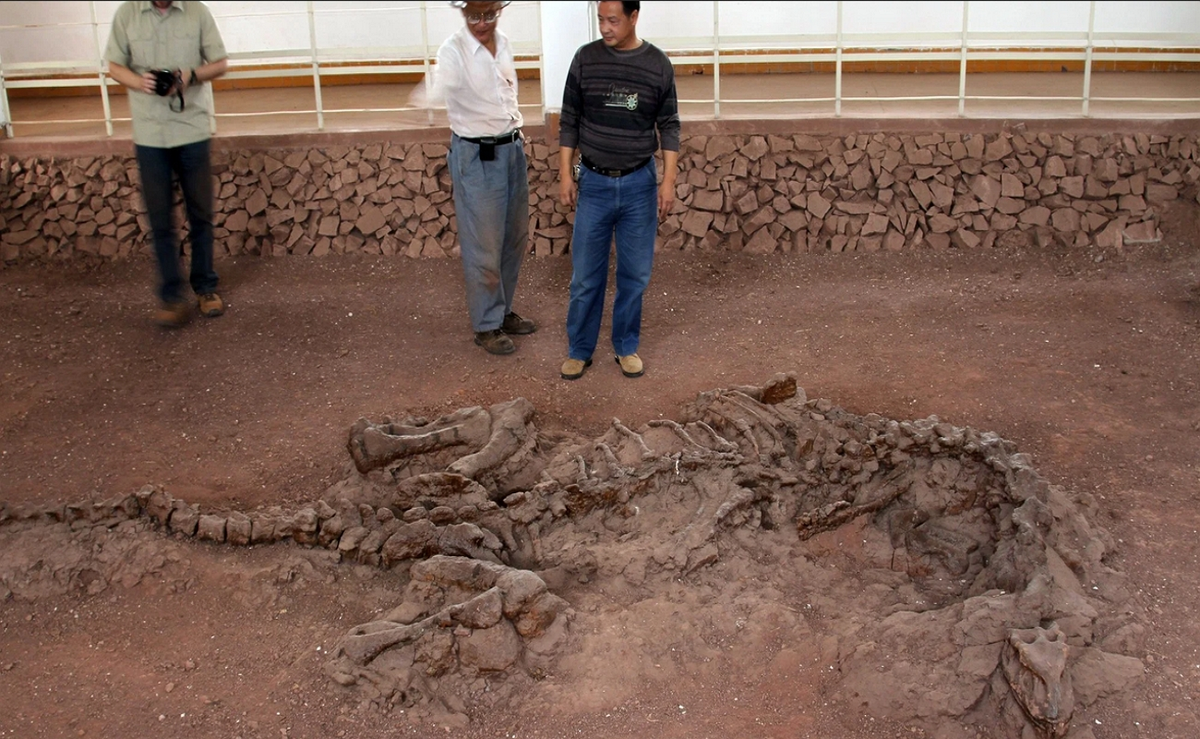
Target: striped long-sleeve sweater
(617,105)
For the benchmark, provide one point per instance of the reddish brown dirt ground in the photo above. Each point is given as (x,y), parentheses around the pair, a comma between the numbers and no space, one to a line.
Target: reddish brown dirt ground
(1092,366)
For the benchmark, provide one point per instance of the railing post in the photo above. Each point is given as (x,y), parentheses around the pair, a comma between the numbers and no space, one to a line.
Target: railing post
(962,66)
(316,64)
(541,64)
(1087,58)
(8,127)
(837,72)
(717,59)
(108,124)
(212,109)
(425,53)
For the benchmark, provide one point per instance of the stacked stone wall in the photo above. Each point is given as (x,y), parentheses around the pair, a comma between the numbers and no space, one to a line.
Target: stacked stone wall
(737,192)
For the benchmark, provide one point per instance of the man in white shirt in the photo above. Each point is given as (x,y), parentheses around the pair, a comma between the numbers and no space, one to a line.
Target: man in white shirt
(477,79)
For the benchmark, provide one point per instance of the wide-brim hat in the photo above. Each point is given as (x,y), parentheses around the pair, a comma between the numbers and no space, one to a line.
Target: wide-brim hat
(463,4)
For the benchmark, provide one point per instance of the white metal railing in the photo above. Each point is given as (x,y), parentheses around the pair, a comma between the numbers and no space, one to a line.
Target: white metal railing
(718,50)
(391,59)
(321,62)
(933,46)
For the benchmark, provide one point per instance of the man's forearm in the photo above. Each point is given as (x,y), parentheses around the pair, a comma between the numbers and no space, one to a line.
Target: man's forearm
(210,71)
(125,76)
(566,160)
(670,166)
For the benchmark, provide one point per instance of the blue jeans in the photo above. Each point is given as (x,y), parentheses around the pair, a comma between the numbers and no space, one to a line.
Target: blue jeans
(158,167)
(491,203)
(627,208)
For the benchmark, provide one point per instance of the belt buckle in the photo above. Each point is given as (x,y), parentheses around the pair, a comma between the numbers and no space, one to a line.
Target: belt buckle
(489,140)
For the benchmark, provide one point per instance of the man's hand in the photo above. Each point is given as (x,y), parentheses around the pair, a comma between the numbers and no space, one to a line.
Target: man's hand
(666,191)
(567,191)
(666,198)
(149,83)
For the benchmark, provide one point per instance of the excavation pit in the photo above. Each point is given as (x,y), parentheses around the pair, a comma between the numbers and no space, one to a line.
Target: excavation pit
(912,571)
(940,576)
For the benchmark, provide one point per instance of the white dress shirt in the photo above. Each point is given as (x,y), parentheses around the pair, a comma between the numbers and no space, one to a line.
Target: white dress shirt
(478,89)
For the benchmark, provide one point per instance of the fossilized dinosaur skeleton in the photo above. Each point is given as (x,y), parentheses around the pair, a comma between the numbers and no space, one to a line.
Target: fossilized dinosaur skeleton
(476,503)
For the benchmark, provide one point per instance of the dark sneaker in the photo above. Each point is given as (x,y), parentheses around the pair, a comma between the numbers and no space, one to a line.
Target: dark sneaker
(211,305)
(495,341)
(514,324)
(573,369)
(631,365)
(173,315)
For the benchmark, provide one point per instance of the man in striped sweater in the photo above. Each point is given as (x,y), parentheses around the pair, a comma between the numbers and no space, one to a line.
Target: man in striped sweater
(619,107)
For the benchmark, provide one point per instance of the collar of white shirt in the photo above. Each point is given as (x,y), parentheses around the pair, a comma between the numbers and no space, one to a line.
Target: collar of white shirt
(474,45)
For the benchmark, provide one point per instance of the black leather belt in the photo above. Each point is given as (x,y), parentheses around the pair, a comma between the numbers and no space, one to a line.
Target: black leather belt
(613,172)
(487,144)
(507,138)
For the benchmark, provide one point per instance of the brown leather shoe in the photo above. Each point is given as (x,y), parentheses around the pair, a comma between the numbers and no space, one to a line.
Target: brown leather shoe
(517,326)
(173,315)
(495,341)
(211,305)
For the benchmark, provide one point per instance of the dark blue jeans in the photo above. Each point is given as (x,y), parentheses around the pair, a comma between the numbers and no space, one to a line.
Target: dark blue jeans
(159,168)
(608,208)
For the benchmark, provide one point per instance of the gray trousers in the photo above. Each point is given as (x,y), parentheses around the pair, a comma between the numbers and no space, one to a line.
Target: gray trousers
(491,204)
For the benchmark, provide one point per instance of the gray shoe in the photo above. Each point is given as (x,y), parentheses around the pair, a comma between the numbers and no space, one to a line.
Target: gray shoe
(495,341)
(517,326)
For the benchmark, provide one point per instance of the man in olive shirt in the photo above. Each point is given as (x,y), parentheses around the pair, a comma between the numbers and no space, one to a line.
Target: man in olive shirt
(171,135)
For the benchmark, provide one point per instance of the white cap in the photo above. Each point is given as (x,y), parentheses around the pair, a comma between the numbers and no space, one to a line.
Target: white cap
(463,4)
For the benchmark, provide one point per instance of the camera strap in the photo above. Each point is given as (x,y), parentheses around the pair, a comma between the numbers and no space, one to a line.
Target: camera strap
(178,94)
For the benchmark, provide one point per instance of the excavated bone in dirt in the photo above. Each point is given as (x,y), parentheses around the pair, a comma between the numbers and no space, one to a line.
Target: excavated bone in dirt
(458,614)
(490,446)
(372,446)
(1035,666)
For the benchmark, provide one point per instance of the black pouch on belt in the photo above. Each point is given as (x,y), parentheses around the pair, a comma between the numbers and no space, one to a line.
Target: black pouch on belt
(487,151)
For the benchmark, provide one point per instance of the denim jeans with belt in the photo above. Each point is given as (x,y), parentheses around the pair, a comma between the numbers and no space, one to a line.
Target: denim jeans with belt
(627,208)
(491,204)
(158,168)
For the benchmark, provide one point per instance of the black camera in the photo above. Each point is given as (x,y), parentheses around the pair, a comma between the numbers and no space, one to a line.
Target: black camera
(164,80)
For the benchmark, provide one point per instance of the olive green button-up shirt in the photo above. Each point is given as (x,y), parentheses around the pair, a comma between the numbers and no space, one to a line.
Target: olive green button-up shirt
(143,39)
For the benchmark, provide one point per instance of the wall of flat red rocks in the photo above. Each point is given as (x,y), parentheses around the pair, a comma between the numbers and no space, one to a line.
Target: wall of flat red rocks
(752,192)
